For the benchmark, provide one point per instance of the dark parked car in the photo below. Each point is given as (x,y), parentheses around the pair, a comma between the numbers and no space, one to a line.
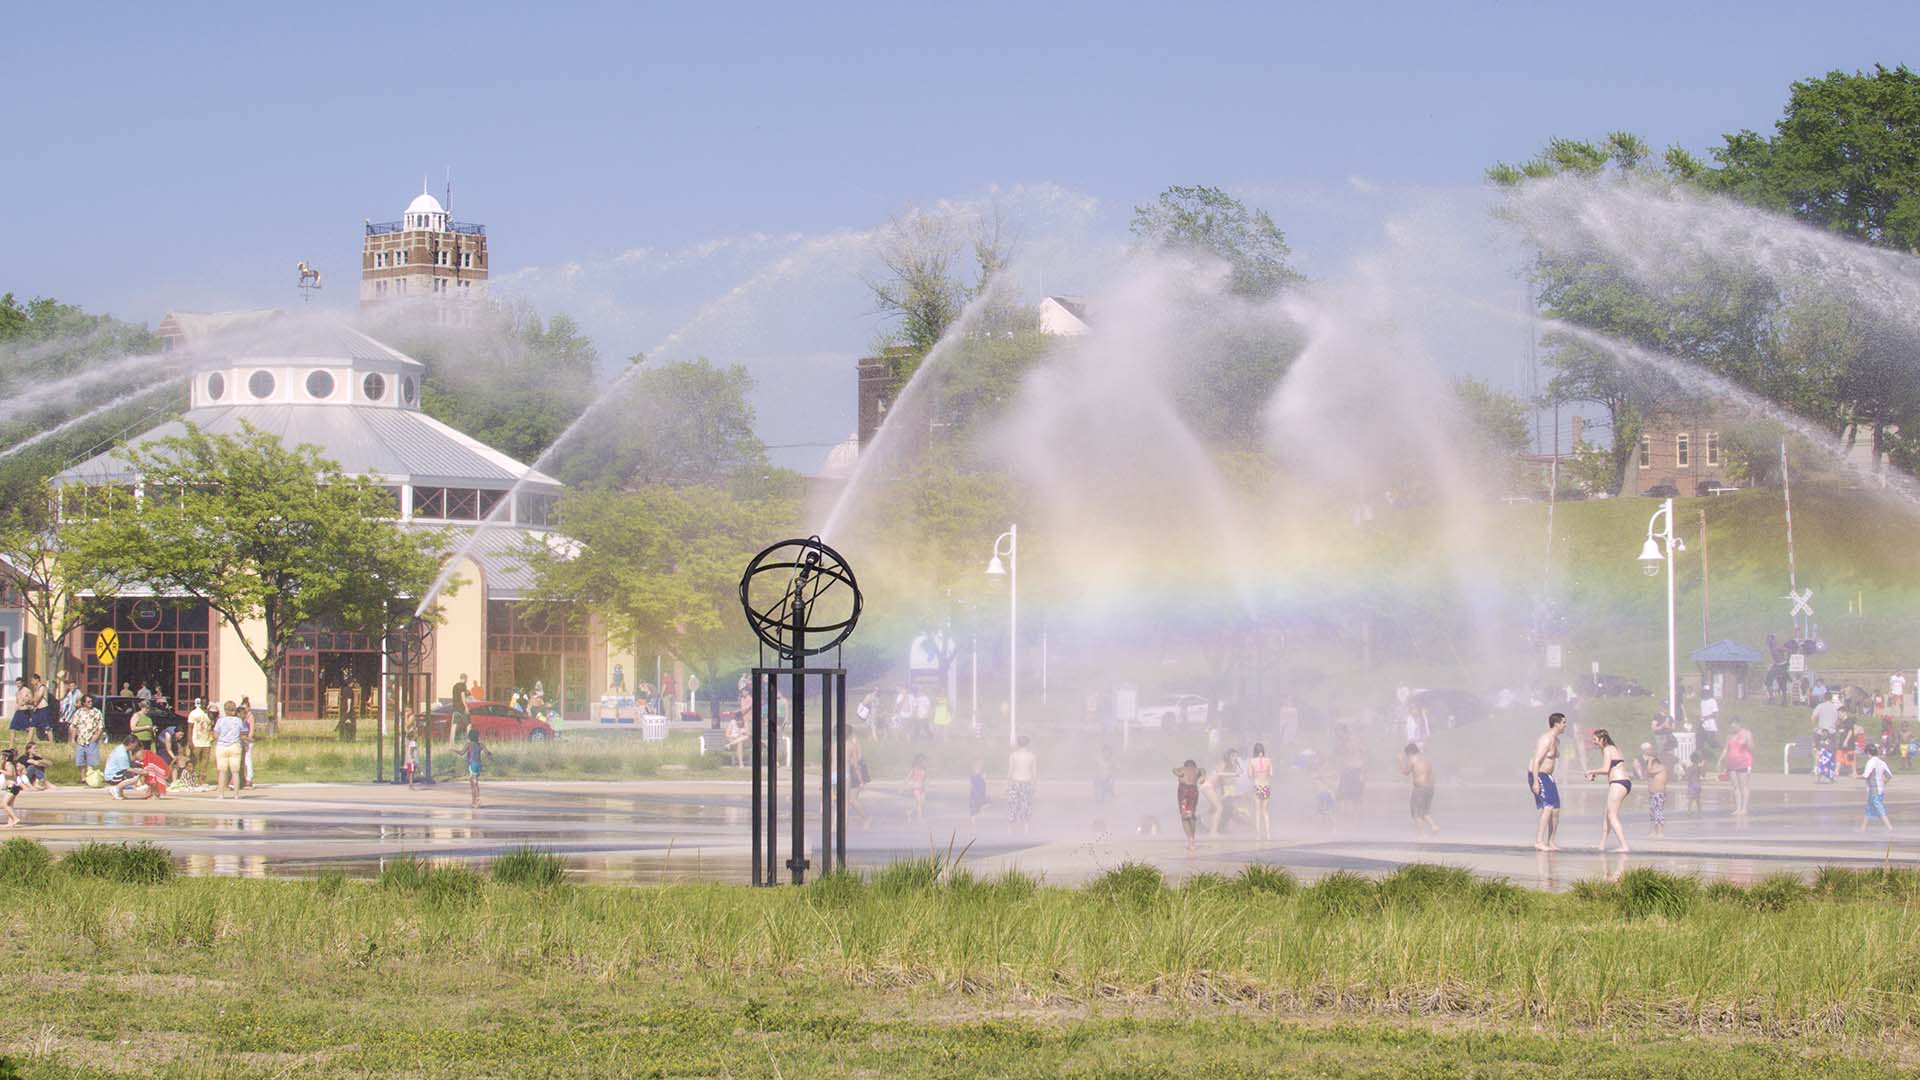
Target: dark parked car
(495,720)
(1617,686)
(1450,708)
(1662,491)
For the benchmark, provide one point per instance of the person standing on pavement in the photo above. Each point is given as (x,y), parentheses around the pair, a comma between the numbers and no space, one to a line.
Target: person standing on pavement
(1023,777)
(229,736)
(89,727)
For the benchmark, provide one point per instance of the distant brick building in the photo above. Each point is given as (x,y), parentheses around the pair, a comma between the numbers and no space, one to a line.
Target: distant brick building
(1680,450)
(425,256)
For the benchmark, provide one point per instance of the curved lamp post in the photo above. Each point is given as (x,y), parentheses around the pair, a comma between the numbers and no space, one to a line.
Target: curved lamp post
(1660,548)
(1011,570)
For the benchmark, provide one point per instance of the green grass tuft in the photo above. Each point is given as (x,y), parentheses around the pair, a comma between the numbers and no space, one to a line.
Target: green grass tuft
(1778,893)
(1500,896)
(531,867)
(909,875)
(128,864)
(1137,886)
(1264,879)
(1342,894)
(439,884)
(1643,892)
(1417,884)
(25,862)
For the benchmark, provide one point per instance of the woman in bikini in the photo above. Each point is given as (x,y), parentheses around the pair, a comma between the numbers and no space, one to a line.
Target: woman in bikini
(1618,786)
(1260,775)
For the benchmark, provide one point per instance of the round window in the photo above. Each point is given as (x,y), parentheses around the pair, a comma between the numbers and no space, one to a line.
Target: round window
(145,615)
(216,386)
(320,385)
(406,389)
(260,384)
(374,387)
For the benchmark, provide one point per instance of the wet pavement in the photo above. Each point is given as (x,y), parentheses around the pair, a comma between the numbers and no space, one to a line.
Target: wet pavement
(697,830)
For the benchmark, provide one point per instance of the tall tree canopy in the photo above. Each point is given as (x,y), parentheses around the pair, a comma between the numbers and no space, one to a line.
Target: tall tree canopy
(1207,219)
(510,379)
(678,423)
(1845,157)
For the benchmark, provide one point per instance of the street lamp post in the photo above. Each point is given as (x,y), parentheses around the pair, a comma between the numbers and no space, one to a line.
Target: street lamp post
(1010,568)
(1660,548)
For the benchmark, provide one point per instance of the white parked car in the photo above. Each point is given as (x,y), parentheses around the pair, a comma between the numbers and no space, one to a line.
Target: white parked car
(1173,709)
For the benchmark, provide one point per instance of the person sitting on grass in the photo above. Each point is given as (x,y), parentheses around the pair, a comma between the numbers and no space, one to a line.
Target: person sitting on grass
(33,766)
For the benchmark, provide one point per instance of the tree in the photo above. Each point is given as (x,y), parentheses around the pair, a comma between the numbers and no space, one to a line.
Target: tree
(662,564)
(1495,425)
(56,592)
(273,539)
(1238,357)
(923,291)
(1210,221)
(681,423)
(1845,156)
(61,394)
(509,378)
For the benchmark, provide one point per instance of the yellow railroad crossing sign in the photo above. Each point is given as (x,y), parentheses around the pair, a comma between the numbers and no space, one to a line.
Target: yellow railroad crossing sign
(107,645)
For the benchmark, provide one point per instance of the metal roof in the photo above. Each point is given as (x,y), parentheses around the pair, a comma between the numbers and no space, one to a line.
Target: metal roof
(364,439)
(300,337)
(1727,651)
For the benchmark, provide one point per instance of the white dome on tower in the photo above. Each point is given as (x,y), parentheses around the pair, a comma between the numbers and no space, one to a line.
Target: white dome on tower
(424,203)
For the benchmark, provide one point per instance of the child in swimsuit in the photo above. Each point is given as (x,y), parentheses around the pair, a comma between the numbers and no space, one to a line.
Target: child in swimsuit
(1695,782)
(917,786)
(1260,774)
(1186,794)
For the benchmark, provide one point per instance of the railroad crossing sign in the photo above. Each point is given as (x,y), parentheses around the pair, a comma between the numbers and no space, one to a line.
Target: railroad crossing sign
(1802,602)
(107,645)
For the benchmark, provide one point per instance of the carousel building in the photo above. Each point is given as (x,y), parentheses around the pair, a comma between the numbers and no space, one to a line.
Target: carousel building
(319,381)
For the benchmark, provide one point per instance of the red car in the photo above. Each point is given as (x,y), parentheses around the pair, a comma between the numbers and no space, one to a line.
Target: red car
(495,720)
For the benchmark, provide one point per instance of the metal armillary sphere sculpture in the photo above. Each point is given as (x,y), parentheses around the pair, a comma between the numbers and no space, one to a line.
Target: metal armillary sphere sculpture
(801,600)
(800,597)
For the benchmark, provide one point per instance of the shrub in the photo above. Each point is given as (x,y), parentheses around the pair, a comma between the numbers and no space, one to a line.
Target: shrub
(909,875)
(412,874)
(1416,884)
(1641,892)
(1724,891)
(1888,882)
(1778,893)
(1205,882)
(1501,895)
(25,862)
(530,866)
(836,889)
(1594,892)
(1014,885)
(1135,885)
(1342,893)
(128,864)
(1261,878)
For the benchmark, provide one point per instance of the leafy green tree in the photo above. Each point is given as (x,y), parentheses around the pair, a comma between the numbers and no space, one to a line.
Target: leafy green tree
(1210,221)
(44,346)
(923,291)
(272,538)
(511,379)
(681,423)
(1495,424)
(57,592)
(662,564)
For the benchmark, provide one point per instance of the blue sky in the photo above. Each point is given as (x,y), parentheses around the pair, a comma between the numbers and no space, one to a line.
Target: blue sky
(187,155)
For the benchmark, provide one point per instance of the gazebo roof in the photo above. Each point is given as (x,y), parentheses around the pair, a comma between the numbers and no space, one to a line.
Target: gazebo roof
(1727,651)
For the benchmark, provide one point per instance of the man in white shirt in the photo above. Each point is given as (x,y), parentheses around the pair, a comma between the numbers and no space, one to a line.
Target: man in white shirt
(1709,712)
(1826,715)
(1897,693)
(1876,774)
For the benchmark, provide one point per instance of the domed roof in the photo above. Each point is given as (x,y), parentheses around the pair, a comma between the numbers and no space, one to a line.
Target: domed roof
(424,203)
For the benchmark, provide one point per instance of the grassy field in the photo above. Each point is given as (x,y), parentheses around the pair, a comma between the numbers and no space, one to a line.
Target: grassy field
(441,971)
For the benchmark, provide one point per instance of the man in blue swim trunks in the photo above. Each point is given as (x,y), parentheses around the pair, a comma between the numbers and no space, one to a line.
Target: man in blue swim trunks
(1546,796)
